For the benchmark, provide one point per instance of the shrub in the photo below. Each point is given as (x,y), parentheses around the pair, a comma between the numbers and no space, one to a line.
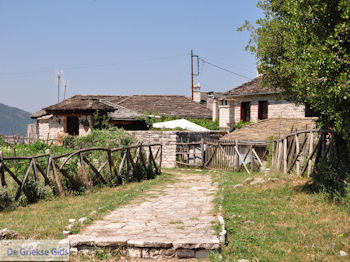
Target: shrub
(207,123)
(5,200)
(36,190)
(241,124)
(112,137)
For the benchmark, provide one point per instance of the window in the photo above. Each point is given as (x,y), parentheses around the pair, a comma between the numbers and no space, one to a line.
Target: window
(245,111)
(72,126)
(263,109)
(224,102)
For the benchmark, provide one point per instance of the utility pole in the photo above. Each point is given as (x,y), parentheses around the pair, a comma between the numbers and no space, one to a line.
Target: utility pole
(192,72)
(65,83)
(58,85)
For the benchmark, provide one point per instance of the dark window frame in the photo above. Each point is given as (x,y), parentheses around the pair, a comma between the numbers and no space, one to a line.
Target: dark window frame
(244,106)
(260,116)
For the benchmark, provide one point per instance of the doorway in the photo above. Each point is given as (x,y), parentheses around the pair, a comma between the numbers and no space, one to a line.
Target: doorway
(72,125)
(245,111)
(262,111)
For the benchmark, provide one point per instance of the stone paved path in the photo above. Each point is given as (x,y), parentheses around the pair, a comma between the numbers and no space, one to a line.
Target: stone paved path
(175,220)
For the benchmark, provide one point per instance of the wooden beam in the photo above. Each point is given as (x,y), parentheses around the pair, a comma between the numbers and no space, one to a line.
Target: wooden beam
(19,190)
(257,157)
(57,178)
(240,157)
(285,155)
(311,149)
(2,172)
(98,174)
(308,161)
(83,171)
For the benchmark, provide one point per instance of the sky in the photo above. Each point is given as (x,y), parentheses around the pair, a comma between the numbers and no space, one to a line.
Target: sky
(120,47)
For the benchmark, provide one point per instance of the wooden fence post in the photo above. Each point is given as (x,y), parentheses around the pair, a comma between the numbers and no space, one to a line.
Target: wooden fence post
(2,171)
(161,157)
(297,154)
(311,146)
(285,155)
(273,154)
(251,159)
(85,175)
(235,158)
(202,153)
(55,175)
(110,162)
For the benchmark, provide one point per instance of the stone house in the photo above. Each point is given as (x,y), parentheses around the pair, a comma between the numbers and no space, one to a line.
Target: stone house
(249,102)
(74,115)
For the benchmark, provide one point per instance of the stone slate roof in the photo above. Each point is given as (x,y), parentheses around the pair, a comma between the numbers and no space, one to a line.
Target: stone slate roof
(83,103)
(40,113)
(251,88)
(168,105)
(130,107)
(274,127)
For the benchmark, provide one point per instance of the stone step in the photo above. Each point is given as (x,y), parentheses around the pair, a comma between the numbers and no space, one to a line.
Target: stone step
(196,248)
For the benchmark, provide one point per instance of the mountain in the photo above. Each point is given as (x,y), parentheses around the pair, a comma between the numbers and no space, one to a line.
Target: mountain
(13,119)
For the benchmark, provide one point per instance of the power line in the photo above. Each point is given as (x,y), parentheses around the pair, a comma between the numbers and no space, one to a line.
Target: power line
(224,69)
(94,66)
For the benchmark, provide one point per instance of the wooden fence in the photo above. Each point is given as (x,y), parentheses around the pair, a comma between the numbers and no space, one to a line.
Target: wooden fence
(223,155)
(121,164)
(300,151)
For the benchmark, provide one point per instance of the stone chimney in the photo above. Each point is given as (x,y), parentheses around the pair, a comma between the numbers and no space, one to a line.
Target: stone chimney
(215,109)
(197,95)
(226,114)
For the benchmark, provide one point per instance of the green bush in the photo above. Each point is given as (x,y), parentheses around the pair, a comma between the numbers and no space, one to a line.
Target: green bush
(331,178)
(36,190)
(241,124)
(207,123)
(5,200)
(112,137)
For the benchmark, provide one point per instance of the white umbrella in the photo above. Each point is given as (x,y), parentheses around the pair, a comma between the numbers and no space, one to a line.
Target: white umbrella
(180,123)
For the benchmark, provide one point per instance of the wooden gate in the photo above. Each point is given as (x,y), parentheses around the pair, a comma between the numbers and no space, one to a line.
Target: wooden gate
(223,155)
(300,151)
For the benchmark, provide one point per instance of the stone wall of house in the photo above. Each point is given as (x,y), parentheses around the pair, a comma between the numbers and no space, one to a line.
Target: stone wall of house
(226,116)
(231,114)
(168,139)
(276,108)
(53,128)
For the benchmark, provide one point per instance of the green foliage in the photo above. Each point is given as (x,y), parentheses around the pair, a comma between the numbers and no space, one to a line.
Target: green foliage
(2,141)
(207,123)
(100,120)
(303,49)
(36,190)
(241,124)
(112,137)
(5,200)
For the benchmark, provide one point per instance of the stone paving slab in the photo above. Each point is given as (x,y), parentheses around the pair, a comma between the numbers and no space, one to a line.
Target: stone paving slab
(175,220)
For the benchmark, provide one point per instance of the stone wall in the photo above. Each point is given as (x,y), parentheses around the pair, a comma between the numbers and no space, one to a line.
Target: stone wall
(168,139)
(229,115)
(276,108)
(53,127)
(226,116)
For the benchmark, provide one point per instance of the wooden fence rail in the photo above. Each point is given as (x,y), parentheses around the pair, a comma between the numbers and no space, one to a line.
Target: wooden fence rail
(300,151)
(137,161)
(223,155)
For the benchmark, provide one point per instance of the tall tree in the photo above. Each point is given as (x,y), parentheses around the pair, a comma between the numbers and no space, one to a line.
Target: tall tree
(303,48)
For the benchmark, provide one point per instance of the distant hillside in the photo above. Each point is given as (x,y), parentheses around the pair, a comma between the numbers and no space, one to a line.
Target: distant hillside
(13,119)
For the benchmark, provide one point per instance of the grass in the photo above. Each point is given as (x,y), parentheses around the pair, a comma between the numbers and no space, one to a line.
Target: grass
(47,219)
(279,221)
